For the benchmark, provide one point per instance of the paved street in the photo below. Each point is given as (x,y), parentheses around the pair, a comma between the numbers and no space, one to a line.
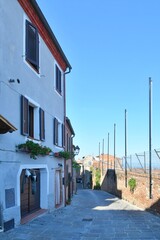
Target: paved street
(91,215)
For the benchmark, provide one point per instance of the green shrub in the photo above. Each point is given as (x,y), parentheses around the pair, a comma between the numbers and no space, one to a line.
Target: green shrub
(97,186)
(132,184)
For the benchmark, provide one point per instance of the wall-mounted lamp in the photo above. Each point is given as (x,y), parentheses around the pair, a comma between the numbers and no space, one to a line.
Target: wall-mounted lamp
(76,150)
(60,164)
(27,173)
(33,176)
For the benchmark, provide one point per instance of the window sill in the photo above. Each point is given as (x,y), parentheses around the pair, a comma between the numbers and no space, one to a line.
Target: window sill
(33,139)
(59,93)
(32,67)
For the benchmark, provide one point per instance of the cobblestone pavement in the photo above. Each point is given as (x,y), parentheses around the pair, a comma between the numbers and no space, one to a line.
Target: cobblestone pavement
(91,215)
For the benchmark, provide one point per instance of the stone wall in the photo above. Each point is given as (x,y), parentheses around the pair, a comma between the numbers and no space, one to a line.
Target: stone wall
(115,183)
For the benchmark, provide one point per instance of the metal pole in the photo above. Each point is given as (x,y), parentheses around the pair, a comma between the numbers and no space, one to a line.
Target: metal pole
(114,145)
(99,155)
(125,147)
(102,156)
(108,153)
(150,138)
(144,162)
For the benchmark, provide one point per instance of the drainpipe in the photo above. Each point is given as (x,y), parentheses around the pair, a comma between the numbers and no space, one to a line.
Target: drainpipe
(68,71)
(64,90)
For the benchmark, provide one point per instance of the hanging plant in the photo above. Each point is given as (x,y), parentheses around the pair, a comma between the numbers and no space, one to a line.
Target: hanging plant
(34,149)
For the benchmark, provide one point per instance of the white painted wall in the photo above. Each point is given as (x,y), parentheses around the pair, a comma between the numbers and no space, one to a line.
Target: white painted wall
(38,87)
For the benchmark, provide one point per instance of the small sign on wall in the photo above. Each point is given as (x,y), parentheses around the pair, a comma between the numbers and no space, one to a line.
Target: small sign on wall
(9,197)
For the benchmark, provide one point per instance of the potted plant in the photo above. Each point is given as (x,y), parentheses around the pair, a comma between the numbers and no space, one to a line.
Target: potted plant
(34,149)
(63,154)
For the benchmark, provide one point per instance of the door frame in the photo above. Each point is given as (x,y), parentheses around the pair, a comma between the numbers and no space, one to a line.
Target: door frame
(44,184)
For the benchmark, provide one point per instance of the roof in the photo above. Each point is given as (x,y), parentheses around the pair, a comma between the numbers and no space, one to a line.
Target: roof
(25,4)
(6,126)
(70,125)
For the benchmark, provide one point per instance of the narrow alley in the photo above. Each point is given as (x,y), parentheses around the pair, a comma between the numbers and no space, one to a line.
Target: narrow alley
(91,215)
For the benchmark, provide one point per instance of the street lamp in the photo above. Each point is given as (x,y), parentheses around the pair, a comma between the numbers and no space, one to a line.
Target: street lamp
(76,150)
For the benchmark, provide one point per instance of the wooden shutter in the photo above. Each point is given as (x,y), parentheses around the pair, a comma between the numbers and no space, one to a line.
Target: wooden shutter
(56,78)
(42,124)
(67,142)
(55,134)
(31,121)
(32,45)
(63,135)
(59,77)
(24,116)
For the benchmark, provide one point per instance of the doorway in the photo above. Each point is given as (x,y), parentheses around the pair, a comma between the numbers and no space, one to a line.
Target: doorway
(58,188)
(30,191)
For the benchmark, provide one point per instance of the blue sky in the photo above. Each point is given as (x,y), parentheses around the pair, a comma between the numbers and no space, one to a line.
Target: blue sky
(113,47)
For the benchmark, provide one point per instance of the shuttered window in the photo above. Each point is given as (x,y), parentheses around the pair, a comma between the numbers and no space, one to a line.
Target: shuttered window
(55,134)
(24,116)
(32,45)
(58,80)
(42,124)
(32,120)
(58,135)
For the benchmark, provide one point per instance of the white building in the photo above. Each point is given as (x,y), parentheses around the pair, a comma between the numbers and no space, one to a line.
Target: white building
(32,107)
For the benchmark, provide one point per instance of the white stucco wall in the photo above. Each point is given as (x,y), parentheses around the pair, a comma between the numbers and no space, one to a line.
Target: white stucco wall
(38,87)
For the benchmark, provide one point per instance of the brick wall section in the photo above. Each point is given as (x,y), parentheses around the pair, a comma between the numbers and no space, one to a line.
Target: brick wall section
(140,196)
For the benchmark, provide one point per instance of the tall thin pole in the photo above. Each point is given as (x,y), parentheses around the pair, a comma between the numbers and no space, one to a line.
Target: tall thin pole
(99,153)
(108,153)
(114,145)
(150,138)
(102,156)
(125,147)
(144,162)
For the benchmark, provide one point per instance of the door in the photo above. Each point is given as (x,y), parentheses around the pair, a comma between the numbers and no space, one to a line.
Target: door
(30,191)
(58,188)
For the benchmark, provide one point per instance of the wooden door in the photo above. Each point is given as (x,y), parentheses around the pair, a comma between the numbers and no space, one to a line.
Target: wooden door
(30,192)
(58,188)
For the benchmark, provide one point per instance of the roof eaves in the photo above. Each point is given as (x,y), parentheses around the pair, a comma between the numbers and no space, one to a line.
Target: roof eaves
(48,28)
(70,125)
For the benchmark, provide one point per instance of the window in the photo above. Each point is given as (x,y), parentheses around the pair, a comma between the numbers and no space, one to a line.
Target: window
(32,45)
(58,80)
(58,133)
(32,120)
(69,144)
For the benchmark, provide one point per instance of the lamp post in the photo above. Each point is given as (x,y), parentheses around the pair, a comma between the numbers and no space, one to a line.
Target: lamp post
(76,150)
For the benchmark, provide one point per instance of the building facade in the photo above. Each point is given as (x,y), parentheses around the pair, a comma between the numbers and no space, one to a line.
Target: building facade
(69,179)
(33,69)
